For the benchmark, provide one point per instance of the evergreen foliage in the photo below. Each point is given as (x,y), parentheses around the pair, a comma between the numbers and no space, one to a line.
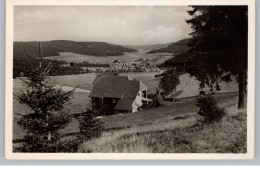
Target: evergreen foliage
(219,45)
(47,113)
(53,48)
(208,108)
(24,65)
(90,125)
(169,81)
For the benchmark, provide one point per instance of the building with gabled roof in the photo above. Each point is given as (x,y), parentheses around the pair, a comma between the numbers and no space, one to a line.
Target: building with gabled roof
(119,94)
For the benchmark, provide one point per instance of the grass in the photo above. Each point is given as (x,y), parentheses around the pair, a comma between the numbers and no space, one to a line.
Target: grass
(187,136)
(169,111)
(172,128)
(80,102)
(128,56)
(165,113)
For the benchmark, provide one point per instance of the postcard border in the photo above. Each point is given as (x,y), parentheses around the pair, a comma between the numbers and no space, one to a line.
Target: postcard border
(126,156)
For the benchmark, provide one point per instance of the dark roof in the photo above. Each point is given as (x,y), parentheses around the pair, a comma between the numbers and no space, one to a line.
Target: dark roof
(116,87)
(125,104)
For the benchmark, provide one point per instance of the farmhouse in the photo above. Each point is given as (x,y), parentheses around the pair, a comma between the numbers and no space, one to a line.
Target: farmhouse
(119,94)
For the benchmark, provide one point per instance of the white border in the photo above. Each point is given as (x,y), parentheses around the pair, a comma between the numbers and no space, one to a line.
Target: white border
(126,156)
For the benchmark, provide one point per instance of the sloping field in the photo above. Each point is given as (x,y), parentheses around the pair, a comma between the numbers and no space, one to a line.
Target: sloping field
(190,86)
(228,135)
(128,56)
(169,111)
(80,101)
(83,81)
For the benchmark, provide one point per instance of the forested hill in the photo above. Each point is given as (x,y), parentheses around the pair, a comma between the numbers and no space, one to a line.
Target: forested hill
(148,47)
(176,48)
(52,48)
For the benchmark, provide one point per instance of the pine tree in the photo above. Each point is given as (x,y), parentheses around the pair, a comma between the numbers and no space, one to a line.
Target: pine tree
(90,126)
(169,81)
(47,112)
(219,45)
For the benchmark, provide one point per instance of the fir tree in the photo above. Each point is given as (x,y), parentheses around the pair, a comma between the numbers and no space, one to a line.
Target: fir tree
(90,125)
(219,45)
(47,113)
(169,81)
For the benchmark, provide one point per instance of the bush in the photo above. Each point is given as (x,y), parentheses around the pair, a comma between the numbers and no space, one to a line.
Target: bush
(90,126)
(208,108)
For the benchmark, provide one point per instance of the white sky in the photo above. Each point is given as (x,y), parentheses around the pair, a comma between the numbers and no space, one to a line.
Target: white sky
(133,25)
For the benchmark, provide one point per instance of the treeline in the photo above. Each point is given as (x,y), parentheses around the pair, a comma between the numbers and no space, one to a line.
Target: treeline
(179,60)
(87,64)
(176,48)
(24,66)
(52,48)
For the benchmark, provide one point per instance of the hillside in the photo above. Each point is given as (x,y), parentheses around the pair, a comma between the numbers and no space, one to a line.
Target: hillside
(177,59)
(52,48)
(176,48)
(188,87)
(148,47)
(173,128)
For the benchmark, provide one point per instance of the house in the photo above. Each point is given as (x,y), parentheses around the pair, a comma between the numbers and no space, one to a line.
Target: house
(119,94)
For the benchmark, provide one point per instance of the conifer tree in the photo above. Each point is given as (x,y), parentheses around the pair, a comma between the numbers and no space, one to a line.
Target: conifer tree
(219,45)
(169,81)
(47,113)
(90,126)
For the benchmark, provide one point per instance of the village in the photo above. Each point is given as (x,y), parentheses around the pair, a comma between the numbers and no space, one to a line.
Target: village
(139,65)
(123,66)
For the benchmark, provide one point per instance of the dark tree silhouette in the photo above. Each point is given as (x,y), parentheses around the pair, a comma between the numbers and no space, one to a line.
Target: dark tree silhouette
(169,81)
(90,126)
(219,45)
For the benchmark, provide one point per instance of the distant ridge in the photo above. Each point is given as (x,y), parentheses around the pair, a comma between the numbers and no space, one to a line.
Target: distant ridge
(176,48)
(148,47)
(52,48)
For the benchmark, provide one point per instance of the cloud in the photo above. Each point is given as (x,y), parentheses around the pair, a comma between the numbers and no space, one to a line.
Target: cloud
(113,24)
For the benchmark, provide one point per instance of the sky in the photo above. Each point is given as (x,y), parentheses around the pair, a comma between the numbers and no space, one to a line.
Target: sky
(124,25)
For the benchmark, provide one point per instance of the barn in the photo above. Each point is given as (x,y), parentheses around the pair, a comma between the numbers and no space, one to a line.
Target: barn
(119,94)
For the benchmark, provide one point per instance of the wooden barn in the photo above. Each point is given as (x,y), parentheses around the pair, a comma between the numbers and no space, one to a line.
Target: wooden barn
(119,94)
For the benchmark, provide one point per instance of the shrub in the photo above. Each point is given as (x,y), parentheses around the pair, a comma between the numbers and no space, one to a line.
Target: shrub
(90,126)
(208,108)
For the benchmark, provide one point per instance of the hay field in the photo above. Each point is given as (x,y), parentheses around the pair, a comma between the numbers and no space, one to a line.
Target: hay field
(228,135)
(128,56)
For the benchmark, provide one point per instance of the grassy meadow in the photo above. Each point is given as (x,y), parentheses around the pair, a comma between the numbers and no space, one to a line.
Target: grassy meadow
(128,56)
(171,128)
(80,100)
(186,135)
